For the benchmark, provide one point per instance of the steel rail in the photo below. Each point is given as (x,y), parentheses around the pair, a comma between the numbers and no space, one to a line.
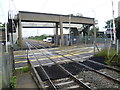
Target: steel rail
(92,69)
(108,67)
(45,73)
(51,47)
(68,73)
(109,77)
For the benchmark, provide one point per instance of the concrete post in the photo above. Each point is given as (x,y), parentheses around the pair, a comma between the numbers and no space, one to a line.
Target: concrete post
(117,47)
(94,36)
(61,32)
(56,35)
(20,32)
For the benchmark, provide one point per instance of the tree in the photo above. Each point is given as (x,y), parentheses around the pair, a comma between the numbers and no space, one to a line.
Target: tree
(118,27)
(78,15)
(91,32)
(2,25)
(74,31)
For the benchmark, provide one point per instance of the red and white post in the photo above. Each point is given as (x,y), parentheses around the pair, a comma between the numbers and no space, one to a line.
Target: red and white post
(114,30)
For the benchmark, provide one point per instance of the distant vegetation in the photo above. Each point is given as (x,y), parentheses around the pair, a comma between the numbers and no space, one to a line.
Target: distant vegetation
(2,25)
(39,37)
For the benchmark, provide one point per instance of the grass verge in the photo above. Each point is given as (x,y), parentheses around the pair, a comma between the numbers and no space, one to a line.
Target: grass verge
(13,82)
(24,69)
(109,55)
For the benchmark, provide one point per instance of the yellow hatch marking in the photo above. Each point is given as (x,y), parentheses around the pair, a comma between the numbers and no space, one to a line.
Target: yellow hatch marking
(53,57)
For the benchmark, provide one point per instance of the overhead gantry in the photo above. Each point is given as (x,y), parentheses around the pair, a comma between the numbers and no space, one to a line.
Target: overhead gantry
(24,16)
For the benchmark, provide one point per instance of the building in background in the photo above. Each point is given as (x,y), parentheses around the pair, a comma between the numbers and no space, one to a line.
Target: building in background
(119,9)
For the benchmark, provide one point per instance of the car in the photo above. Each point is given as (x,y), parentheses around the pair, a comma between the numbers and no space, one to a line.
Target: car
(48,39)
(44,40)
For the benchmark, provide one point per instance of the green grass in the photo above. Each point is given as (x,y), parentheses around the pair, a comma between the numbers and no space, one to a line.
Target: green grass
(24,69)
(13,81)
(104,53)
(14,78)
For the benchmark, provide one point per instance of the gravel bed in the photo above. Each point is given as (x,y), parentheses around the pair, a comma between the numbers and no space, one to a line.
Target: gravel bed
(63,83)
(97,81)
(111,73)
(98,59)
(116,67)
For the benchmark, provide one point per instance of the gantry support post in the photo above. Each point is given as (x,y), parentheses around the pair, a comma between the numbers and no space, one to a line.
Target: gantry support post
(56,35)
(20,32)
(61,32)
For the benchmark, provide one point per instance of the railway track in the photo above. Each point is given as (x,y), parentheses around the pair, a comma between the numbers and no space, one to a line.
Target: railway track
(114,73)
(76,83)
(73,70)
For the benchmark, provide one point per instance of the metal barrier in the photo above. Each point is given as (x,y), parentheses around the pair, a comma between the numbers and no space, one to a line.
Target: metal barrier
(0,66)
(6,66)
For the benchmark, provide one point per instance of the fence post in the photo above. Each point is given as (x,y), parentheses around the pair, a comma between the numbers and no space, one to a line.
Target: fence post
(108,54)
(85,39)
(94,36)
(117,46)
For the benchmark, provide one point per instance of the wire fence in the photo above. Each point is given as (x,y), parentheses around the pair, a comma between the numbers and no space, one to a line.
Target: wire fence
(100,43)
(88,40)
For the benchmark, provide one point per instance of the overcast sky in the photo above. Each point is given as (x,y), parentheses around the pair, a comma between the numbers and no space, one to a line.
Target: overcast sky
(100,9)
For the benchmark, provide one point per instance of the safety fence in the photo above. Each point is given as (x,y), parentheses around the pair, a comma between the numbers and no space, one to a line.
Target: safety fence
(87,40)
(101,43)
(6,65)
